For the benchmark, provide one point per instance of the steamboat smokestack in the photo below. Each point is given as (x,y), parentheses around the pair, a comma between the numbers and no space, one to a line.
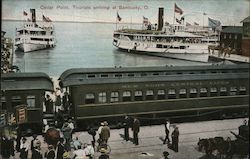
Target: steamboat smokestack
(160,19)
(33,15)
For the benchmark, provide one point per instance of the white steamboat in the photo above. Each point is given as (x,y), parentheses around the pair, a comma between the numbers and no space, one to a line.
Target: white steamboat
(33,36)
(171,41)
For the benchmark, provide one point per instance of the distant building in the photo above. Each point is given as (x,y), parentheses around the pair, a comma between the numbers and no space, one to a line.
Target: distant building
(246,37)
(231,36)
(6,53)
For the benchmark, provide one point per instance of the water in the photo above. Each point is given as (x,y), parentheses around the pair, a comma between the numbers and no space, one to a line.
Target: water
(82,45)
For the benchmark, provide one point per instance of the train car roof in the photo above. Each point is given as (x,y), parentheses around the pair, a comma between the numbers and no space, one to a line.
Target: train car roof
(168,78)
(71,76)
(26,81)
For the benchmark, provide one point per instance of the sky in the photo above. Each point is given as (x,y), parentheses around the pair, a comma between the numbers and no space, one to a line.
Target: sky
(229,12)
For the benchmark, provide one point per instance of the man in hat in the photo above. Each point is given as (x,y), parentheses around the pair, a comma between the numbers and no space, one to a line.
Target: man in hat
(104,154)
(175,139)
(32,141)
(24,147)
(126,127)
(37,153)
(66,130)
(105,133)
(136,129)
(89,150)
(167,129)
(100,130)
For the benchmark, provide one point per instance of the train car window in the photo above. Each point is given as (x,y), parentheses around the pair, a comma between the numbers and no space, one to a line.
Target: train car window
(242,90)
(160,94)
(104,75)
(114,97)
(149,95)
(102,97)
(31,101)
(91,76)
(203,92)
(183,93)
(213,92)
(118,75)
(3,102)
(193,93)
(171,94)
(233,90)
(138,95)
(155,74)
(223,91)
(15,100)
(126,96)
(89,98)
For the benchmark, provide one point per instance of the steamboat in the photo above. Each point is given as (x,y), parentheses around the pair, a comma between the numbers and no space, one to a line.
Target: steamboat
(33,36)
(172,41)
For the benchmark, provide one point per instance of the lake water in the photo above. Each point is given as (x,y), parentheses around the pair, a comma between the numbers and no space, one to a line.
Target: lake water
(89,44)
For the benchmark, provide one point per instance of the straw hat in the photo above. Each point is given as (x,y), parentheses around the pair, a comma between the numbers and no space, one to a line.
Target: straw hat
(105,123)
(103,150)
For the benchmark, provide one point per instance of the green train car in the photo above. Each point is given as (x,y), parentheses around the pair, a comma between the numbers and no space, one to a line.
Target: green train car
(22,96)
(180,93)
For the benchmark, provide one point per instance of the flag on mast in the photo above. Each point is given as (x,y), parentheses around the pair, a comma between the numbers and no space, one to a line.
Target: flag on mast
(145,21)
(118,17)
(178,9)
(213,23)
(25,13)
(196,23)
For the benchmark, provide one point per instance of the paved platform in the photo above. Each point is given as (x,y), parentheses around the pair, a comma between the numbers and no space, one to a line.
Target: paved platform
(151,146)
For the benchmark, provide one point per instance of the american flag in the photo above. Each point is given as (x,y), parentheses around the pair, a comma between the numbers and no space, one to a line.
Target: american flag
(145,21)
(118,17)
(178,9)
(25,13)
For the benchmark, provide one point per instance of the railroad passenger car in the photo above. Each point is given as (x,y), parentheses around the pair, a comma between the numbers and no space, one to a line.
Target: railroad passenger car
(25,92)
(156,92)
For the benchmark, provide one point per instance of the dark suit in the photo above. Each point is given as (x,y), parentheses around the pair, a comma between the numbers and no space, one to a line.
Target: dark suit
(136,129)
(126,128)
(175,139)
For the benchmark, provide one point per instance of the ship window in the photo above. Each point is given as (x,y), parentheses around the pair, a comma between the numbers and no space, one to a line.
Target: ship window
(3,102)
(102,97)
(149,95)
(183,93)
(89,98)
(213,92)
(182,47)
(158,45)
(126,96)
(131,75)
(223,91)
(203,92)
(138,95)
(91,76)
(31,101)
(114,97)
(243,90)
(233,90)
(160,94)
(193,92)
(171,94)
